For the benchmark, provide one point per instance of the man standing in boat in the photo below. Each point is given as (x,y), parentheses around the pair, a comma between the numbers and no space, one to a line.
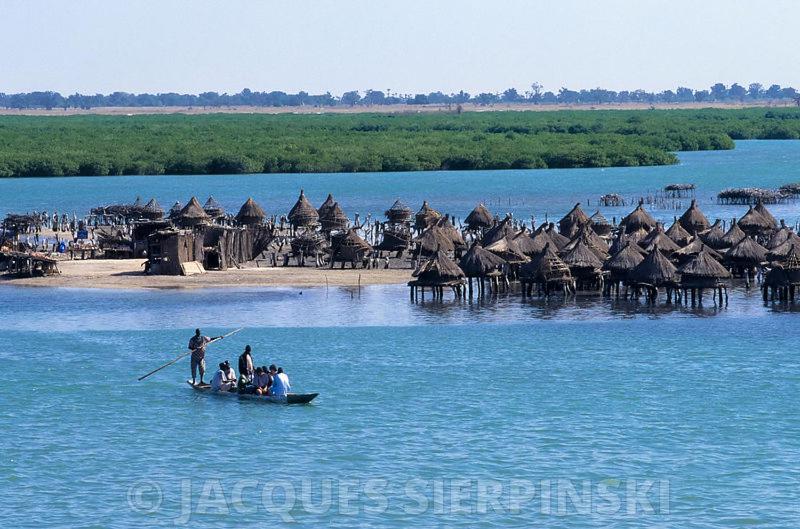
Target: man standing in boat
(197,344)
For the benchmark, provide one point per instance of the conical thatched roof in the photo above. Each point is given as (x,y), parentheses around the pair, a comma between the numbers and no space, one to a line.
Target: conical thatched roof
(213,208)
(782,251)
(333,218)
(539,240)
(654,270)
(193,211)
(598,219)
(693,219)
(595,243)
(659,238)
(527,244)
(250,212)
(781,236)
(545,266)
(308,243)
(426,216)
(678,234)
(480,217)
(328,204)
(138,202)
(581,256)
(478,262)
(451,233)
(764,212)
(754,223)
(625,260)
(175,210)
(349,246)
(303,213)
(576,218)
(747,252)
(398,213)
(438,269)
(694,247)
(703,265)
(559,240)
(434,239)
(713,237)
(636,235)
(153,206)
(498,231)
(638,218)
(507,249)
(733,235)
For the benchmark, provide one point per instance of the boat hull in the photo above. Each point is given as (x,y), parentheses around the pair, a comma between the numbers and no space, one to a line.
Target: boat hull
(291,398)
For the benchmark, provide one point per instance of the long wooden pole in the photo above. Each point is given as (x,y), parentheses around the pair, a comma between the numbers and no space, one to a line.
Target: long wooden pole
(156,370)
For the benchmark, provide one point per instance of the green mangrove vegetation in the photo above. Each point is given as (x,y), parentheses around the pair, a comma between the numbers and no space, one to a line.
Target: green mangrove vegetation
(238,143)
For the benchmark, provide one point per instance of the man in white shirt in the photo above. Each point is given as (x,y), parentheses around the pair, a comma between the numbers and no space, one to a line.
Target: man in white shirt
(224,379)
(280,382)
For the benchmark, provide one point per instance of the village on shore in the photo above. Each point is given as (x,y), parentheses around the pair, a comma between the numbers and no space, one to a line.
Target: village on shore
(482,255)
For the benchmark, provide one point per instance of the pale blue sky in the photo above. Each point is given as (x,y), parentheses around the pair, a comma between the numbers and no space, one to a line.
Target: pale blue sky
(408,46)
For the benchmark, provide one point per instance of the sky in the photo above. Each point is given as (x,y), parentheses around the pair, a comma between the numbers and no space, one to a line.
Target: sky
(406,46)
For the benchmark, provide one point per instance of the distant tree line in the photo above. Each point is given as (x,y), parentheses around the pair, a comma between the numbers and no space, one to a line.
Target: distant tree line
(535,95)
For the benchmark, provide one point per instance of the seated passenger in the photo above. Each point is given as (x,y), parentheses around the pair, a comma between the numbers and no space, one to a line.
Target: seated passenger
(220,380)
(261,381)
(280,382)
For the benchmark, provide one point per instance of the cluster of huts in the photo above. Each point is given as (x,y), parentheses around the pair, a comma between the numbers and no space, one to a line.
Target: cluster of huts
(637,257)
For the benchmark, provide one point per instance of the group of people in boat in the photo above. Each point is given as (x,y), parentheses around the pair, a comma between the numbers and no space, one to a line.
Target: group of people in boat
(266,381)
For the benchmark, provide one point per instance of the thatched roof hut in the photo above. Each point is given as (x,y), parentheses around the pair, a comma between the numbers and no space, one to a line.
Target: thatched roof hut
(508,250)
(399,213)
(658,238)
(426,216)
(175,210)
(746,252)
(432,240)
(333,218)
(213,208)
(623,262)
(478,262)
(581,257)
(573,220)
(153,210)
(547,266)
(780,236)
(693,220)
(782,251)
(348,247)
(328,204)
(452,233)
(309,243)
(303,214)
(678,234)
(655,270)
(192,214)
(559,240)
(733,235)
(702,271)
(250,213)
(478,218)
(501,229)
(439,270)
(600,224)
(596,243)
(638,219)
(754,223)
(764,212)
(529,245)
(539,240)
(713,237)
(395,238)
(694,247)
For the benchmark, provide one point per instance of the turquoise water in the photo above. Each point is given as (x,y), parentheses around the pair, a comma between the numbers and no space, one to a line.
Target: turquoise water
(507,413)
(522,192)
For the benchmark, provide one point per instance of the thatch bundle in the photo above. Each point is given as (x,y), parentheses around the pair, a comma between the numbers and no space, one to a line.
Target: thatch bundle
(573,220)
(426,216)
(192,214)
(693,220)
(678,234)
(213,208)
(638,219)
(478,218)
(399,213)
(250,213)
(303,214)
(655,270)
(478,262)
(747,252)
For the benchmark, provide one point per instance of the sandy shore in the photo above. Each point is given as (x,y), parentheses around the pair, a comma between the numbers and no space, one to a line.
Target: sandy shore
(127,274)
(380,109)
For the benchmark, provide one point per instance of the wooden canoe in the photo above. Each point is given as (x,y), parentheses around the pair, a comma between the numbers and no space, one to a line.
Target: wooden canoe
(291,398)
